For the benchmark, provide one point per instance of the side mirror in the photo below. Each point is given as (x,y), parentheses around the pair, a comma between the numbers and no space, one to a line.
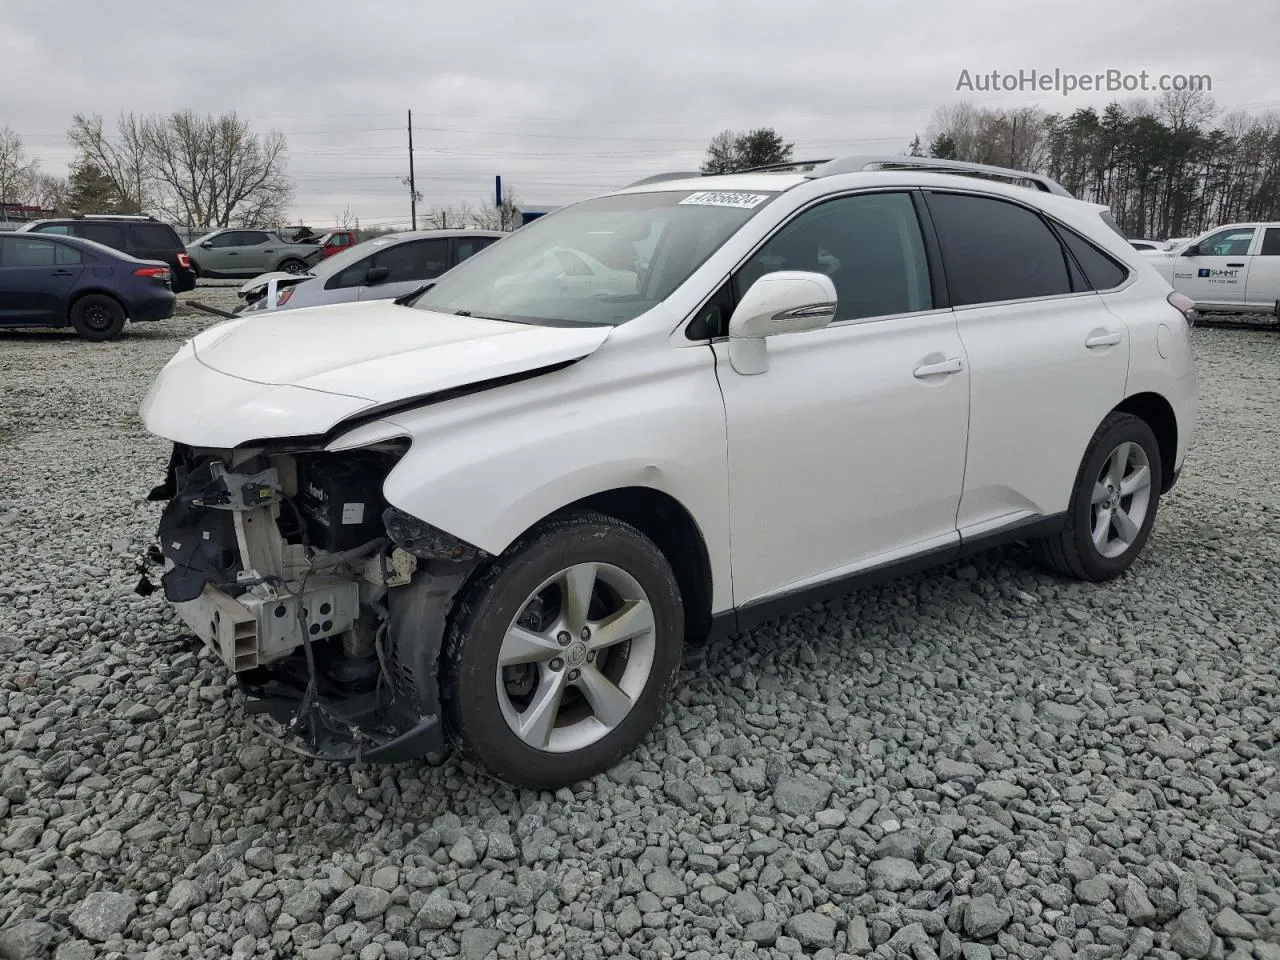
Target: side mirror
(1192,251)
(786,301)
(207,244)
(376,275)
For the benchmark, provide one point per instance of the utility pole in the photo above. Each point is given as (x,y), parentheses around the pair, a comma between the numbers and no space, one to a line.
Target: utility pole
(413,190)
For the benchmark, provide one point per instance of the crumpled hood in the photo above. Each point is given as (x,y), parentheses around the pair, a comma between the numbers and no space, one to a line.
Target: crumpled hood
(301,372)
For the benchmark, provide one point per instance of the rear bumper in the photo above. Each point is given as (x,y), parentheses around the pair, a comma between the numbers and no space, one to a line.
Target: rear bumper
(158,306)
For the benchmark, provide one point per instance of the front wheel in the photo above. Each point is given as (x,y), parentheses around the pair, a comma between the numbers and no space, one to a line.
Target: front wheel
(1113,504)
(560,656)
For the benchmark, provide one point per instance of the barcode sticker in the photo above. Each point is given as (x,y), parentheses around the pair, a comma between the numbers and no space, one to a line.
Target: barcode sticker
(713,198)
(353,513)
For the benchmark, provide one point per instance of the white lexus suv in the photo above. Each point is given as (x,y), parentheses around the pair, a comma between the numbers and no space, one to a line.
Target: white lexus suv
(489,514)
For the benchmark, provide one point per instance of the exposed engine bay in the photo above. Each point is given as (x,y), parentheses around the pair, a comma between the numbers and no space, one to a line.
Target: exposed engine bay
(326,603)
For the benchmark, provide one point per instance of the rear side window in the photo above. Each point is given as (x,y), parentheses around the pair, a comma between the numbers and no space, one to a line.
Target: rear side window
(994,250)
(62,254)
(107,234)
(1270,243)
(153,236)
(251,238)
(28,252)
(61,229)
(1100,270)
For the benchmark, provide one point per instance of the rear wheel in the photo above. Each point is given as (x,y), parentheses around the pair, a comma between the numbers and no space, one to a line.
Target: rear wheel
(294,266)
(1113,505)
(97,317)
(560,656)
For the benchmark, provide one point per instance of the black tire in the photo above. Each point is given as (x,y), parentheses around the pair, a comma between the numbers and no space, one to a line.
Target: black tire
(492,601)
(97,317)
(1072,552)
(293,266)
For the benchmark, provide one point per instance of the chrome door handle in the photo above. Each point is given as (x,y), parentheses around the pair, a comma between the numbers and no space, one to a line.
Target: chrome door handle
(1103,340)
(954,365)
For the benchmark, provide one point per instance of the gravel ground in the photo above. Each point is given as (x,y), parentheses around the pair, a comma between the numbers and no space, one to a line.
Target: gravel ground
(979,762)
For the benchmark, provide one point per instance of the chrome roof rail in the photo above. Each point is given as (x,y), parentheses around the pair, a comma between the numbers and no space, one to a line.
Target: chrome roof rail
(857,164)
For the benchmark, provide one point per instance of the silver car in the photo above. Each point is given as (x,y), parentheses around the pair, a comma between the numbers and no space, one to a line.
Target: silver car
(379,269)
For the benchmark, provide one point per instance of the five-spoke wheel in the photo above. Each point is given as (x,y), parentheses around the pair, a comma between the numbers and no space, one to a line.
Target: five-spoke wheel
(562,652)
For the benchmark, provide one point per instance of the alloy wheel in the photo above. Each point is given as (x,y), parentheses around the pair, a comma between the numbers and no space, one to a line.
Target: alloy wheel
(576,658)
(1121,499)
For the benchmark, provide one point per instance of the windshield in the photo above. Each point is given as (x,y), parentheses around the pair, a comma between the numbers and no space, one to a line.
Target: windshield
(602,261)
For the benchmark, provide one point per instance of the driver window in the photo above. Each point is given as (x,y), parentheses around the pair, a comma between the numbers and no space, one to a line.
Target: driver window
(352,276)
(868,244)
(1227,243)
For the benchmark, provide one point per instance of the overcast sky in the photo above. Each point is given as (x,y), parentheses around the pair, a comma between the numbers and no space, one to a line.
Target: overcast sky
(565,99)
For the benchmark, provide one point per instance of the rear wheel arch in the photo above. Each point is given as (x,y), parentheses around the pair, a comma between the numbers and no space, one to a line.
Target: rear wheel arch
(1158,414)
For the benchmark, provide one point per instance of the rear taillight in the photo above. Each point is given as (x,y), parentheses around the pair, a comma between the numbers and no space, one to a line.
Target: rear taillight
(160,273)
(184,261)
(1184,305)
(282,297)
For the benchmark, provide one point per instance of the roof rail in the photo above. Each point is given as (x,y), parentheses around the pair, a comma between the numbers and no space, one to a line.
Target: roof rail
(797,166)
(659,177)
(856,164)
(112,216)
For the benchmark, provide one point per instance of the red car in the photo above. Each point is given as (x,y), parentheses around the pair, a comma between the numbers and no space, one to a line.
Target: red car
(335,241)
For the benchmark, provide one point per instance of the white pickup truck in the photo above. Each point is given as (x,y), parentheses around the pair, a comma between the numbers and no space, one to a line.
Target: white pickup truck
(1232,269)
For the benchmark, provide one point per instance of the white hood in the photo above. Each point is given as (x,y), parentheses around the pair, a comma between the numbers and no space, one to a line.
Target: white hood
(301,372)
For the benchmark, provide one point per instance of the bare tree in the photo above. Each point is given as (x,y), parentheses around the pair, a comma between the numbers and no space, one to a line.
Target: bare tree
(1185,109)
(17,170)
(214,171)
(50,193)
(122,159)
(346,220)
(504,217)
(451,218)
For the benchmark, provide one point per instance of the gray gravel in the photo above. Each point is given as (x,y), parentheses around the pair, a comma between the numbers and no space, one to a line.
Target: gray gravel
(979,762)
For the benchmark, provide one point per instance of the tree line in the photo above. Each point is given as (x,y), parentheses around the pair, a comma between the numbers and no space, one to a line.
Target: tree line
(1170,167)
(192,169)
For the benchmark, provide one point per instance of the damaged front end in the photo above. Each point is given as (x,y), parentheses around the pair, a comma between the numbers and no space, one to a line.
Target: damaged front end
(327,604)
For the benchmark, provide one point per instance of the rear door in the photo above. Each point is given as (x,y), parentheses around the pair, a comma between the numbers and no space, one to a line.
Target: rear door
(1262,288)
(410,265)
(36,274)
(1216,276)
(1047,360)
(256,249)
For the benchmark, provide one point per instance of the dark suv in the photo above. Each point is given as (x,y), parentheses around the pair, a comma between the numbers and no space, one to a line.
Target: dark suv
(143,237)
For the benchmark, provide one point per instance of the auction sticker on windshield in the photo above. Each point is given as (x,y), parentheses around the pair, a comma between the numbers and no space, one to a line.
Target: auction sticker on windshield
(712,198)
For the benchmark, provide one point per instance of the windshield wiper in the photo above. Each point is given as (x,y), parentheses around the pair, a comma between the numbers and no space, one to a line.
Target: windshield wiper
(406,298)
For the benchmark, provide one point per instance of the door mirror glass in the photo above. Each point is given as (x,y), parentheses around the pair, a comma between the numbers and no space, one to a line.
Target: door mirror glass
(376,275)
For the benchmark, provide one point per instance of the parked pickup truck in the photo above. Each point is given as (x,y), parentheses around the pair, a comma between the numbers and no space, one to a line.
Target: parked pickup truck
(1233,269)
(230,252)
(335,241)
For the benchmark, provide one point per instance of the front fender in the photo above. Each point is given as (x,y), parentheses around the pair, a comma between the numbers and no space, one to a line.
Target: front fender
(488,467)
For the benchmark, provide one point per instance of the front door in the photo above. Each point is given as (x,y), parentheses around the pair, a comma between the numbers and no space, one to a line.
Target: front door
(848,451)
(1218,273)
(35,277)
